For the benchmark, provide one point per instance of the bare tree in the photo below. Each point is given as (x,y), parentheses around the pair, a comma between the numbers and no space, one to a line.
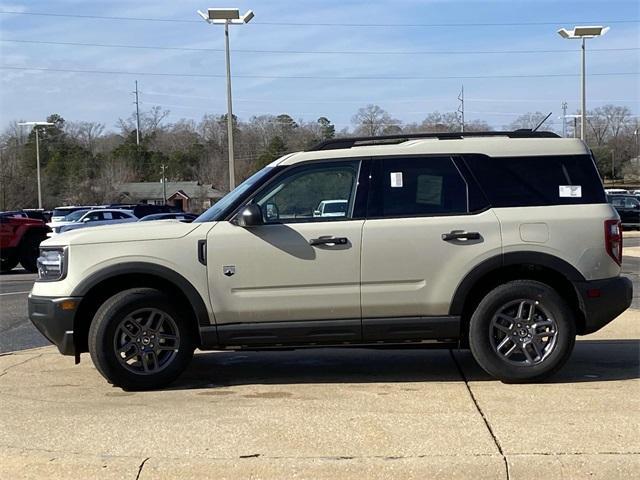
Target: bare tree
(372,121)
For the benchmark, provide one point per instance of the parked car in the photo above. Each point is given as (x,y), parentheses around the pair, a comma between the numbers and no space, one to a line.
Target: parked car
(68,220)
(616,191)
(499,241)
(331,208)
(184,217)
(59,213)
(98,217)
(628,207)
(20,237)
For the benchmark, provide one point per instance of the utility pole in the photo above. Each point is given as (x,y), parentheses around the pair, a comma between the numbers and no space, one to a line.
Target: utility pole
(164,183)
(613,167)
(461,108)
(564,119)
(137,116)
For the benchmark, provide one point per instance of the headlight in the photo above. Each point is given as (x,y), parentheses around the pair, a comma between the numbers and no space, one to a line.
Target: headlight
(52,264)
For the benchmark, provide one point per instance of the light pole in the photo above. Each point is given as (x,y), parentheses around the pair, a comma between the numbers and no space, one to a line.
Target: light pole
(35,126)
(582,33)
(226,17)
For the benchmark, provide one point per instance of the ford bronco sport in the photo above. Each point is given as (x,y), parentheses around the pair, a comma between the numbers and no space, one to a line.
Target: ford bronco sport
(500,241)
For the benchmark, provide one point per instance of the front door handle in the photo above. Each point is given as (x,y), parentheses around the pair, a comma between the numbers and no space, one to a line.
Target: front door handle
(460,235)
(331,241)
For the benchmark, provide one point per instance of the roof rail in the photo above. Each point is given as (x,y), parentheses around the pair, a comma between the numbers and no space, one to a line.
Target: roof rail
(349,142)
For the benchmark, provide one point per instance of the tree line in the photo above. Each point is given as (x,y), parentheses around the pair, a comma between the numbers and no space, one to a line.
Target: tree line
(83,162)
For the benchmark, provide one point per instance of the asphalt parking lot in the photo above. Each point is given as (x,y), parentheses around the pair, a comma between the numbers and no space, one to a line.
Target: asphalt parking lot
(329,413)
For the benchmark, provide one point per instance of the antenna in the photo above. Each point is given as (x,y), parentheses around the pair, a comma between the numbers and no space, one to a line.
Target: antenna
(543,120)
(461,108)
(564,119)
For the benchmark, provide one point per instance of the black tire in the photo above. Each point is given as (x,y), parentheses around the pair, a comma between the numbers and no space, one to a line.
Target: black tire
(29,252)
(8,261)
(107,331)
(485,336)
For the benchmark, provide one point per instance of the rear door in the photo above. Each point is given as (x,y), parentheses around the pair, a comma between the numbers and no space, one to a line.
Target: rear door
(426,229)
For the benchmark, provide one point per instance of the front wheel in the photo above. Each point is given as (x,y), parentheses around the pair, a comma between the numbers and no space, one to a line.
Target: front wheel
(138,340)
(522,331)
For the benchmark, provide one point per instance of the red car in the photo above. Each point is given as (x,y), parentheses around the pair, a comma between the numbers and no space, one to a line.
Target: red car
(20,238)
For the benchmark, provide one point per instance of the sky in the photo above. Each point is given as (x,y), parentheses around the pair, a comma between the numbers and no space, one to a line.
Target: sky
(314,58)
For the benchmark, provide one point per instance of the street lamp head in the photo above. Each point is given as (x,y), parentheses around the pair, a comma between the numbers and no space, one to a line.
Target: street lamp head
(246,18)
(226,16)
(223,13)
(580,32)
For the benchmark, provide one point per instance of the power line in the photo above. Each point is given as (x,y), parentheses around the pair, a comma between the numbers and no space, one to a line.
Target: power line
(319,52)
(323,24)
(310,77)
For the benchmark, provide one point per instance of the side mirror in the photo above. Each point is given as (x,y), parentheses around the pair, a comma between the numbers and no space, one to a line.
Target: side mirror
(250,216)
(86,220)
(316,213)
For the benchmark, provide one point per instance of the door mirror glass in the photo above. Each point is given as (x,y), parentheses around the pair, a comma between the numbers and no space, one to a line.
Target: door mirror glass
(250,216)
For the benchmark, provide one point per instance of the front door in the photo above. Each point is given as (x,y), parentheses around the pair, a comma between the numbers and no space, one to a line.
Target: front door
(295,279)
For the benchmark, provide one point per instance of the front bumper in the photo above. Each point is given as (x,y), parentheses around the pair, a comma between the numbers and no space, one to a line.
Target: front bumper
(602,301)
(54,317)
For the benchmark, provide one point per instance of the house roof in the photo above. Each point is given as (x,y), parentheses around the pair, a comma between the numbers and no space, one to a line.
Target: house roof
(150,190)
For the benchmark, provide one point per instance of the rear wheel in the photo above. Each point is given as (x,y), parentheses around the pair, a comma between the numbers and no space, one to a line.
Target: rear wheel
(138,340)
(522,331)
(29,251)
(8,261)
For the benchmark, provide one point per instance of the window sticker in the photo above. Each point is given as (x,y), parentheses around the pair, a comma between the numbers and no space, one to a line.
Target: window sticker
(571,191)
(396,179)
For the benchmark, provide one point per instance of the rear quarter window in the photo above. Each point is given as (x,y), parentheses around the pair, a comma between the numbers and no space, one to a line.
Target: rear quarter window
(537,180)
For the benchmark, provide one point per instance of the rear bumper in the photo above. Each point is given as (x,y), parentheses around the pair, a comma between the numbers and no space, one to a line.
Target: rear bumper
(602,301)
(54,319)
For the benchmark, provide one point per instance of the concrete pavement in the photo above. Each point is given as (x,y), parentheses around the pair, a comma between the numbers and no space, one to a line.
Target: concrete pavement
(331,413)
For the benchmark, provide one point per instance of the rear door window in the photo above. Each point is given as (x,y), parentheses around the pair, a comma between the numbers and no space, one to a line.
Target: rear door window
(537,180)
(418,186)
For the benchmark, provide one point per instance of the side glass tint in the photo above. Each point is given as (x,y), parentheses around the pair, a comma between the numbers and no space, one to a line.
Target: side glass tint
(314,192)
(421,186)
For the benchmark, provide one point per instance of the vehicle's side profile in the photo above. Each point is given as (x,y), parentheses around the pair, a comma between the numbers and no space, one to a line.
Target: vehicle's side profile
(97,217)
(503,243)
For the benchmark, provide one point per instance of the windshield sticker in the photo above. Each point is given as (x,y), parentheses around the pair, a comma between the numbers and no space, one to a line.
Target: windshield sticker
(396,179)
(571,191)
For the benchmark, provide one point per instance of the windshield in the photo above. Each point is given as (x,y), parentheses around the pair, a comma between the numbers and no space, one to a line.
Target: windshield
(72,217)
(219,209)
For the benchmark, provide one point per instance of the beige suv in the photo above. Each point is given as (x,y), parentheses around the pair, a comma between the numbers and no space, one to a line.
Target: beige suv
(501,242)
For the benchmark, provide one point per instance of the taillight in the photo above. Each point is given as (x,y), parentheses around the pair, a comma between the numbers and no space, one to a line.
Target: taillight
(613,239)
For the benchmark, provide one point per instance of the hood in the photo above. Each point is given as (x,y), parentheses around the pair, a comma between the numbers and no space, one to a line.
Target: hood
(124,232)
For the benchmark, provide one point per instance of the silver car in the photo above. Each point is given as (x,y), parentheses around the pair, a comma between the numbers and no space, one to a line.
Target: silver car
(102,216)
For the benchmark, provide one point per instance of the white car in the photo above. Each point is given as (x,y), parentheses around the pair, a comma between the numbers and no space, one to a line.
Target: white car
(331,208)
(102,216)
(56,225)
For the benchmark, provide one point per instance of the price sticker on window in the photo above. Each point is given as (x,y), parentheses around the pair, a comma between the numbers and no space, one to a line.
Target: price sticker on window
(396,179)
(571,191)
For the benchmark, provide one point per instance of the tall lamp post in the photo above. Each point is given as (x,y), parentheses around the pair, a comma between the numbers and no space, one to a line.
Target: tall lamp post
(35,126)
(583,33)
(226,17)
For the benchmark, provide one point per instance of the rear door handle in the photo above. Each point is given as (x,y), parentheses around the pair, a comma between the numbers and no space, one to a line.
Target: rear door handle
(331,241)
(460,235)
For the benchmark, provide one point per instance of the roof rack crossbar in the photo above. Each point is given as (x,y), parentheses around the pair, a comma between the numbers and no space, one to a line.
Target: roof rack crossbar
(349,142)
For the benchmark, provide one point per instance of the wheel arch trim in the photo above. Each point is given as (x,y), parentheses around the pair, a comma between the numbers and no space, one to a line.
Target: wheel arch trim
(506,260)
(145,268)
